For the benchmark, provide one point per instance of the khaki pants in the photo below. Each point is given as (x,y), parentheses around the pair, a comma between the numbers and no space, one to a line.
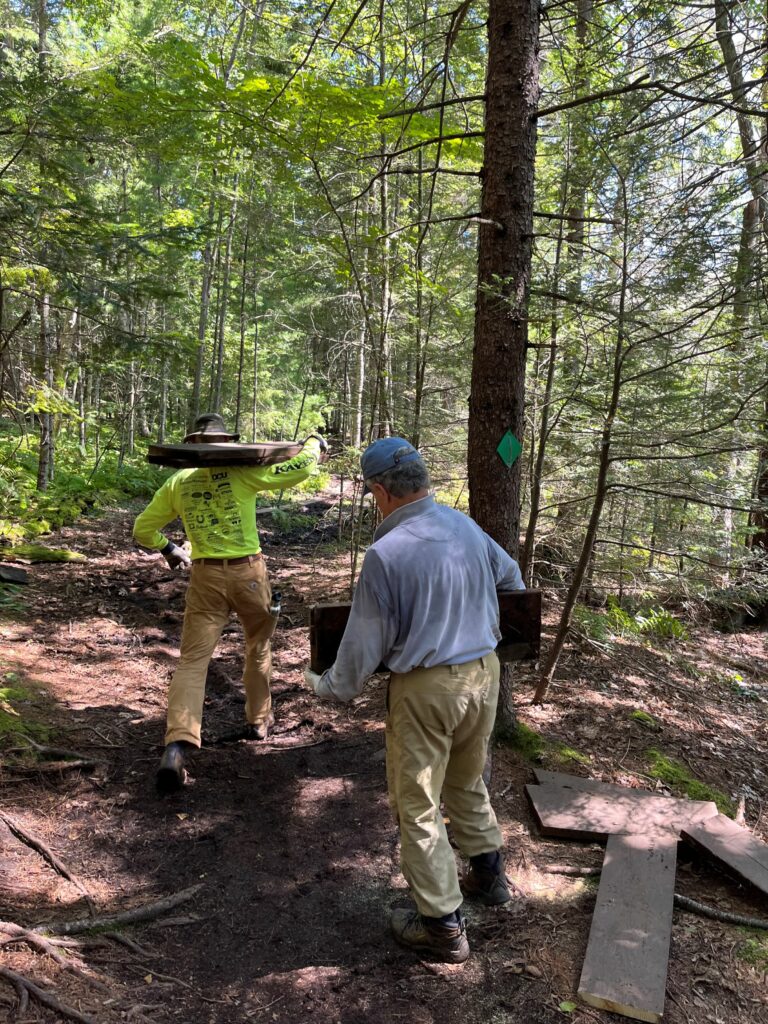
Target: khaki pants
(214,592)
(438,727)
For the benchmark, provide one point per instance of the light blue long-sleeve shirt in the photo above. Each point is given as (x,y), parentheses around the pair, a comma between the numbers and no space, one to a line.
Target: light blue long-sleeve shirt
(426,596)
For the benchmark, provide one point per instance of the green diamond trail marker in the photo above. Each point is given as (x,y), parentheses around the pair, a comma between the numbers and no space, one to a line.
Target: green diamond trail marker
(509,448)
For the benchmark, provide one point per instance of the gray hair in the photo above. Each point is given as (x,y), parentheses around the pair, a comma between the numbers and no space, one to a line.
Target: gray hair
(402,480)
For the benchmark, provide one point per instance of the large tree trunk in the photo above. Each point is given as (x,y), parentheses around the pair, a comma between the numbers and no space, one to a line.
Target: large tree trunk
(504,265)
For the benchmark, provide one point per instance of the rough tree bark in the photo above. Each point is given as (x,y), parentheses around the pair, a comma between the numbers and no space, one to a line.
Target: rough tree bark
(504,264)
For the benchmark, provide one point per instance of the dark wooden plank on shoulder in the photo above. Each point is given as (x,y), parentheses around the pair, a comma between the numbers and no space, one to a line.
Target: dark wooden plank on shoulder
(519,624)
(192,456)
(579,814)
(733,846)
(625,968)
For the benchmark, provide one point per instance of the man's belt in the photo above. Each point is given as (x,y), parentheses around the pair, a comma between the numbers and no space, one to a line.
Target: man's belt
(229,561)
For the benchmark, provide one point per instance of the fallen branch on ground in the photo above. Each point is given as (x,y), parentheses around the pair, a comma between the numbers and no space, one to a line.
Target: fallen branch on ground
(27,988)
(136,915)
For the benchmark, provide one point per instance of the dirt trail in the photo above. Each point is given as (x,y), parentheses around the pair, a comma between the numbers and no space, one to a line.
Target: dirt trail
(292,841)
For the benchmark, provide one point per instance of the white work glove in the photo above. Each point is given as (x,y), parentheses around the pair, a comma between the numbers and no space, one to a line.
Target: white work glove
(175,556)
(312,678)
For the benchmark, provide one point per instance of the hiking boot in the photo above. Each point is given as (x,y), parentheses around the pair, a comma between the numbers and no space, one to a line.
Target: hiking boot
(446,943)
(171,775)
(260,731)
(485,880)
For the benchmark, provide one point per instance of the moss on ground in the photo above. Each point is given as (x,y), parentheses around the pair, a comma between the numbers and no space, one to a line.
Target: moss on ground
(643,718)
(527,742)
(532,746)
(14,717)
(675,775)
(567,755)
(755,951)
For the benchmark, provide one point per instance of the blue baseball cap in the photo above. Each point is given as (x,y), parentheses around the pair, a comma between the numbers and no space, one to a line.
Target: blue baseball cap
(385,454)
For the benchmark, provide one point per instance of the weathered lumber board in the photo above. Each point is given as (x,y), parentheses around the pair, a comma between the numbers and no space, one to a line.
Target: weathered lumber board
(578,814)
(585,785)
(185,456)
(519,624)
(10,574)
(625,968)
(733,846)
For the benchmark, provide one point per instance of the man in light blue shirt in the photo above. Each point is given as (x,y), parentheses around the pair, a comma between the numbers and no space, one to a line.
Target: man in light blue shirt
(426,607)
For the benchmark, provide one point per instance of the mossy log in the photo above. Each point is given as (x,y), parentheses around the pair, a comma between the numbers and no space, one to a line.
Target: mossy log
(40,553)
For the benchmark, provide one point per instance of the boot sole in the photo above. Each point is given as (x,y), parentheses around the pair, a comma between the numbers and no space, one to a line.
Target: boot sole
(170,781)
(442,956)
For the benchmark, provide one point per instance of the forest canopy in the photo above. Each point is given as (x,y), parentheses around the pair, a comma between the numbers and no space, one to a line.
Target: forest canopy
(271,211)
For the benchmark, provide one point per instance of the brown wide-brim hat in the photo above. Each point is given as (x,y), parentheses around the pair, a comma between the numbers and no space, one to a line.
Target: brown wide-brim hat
(210,428)
(209,437)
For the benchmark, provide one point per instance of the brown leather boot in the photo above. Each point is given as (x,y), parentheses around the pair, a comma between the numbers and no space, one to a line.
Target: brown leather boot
(260,731)
(485,880)
(171,775)
(446,943)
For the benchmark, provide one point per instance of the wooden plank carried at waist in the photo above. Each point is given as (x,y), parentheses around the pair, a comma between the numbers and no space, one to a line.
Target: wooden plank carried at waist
(225,453)
(625,967)
(519,624)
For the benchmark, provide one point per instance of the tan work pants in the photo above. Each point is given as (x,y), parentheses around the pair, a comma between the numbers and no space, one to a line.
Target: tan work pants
(214,592)
(439,723)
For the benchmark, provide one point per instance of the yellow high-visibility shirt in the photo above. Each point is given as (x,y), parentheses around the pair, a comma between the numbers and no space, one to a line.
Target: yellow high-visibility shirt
(217,504)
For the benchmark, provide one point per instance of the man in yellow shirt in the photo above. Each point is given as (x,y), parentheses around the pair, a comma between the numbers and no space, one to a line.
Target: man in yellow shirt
(217,506)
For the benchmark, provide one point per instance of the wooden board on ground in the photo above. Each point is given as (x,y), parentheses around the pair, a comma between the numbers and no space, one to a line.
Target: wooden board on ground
(578,814)
(229,453)
(585,785)
(519,623)
(625,968)
(10,574)
(733,846)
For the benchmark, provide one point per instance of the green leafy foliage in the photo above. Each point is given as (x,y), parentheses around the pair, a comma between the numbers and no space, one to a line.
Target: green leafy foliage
(604,627)
(30,514)
(11,599)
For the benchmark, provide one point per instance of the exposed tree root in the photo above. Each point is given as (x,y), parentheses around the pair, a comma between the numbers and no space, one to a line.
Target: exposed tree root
(10,933)
(684,903)
(147,912)
(47,854)
(50,767)
(51,752)
(26,988)
(571,869)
